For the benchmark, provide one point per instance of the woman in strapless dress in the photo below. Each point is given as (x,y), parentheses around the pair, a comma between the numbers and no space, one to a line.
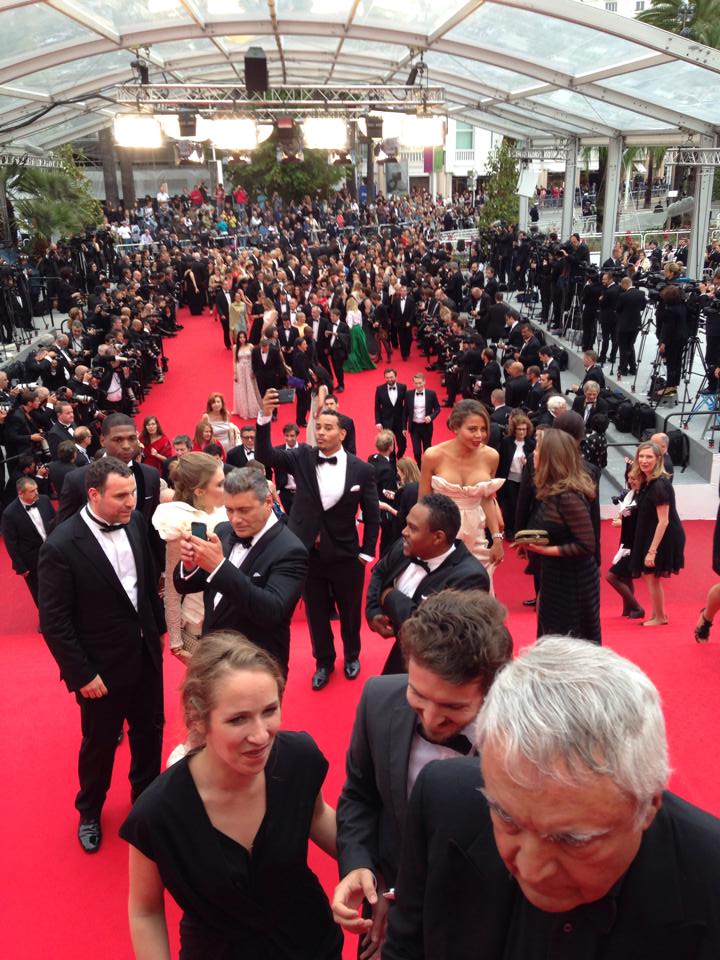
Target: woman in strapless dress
(464,470)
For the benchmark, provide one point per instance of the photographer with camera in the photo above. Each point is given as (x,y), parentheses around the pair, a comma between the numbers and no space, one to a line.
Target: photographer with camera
(671,318)
(630,306)
(608,317)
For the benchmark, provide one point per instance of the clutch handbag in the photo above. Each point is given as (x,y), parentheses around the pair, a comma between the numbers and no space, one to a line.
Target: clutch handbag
(540,537)
(190,641)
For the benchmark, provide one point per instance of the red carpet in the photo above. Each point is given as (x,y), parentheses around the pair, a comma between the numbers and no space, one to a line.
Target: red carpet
(59,903)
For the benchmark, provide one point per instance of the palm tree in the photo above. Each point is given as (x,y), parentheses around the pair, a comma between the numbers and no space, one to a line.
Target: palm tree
(49,203)
(696,21)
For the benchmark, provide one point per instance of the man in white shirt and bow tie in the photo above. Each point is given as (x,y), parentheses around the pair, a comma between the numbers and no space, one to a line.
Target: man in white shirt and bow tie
(102,618)
(26,523)
(421,408)
(390,409)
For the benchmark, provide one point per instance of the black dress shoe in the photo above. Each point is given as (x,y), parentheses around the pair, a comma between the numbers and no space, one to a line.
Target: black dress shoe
(321,677)
(530,603)
(90,835)
(352,669)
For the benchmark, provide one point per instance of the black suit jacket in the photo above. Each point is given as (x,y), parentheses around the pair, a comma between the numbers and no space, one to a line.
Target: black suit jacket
(516,391)
(529,352)
(507,452)
(57,471)
(461,570)
(74,495)
(455,898)
(22,540)
(336,529)
(391,416)
(268,373)
(579,405)
(401,317)
(432,407)
(17,433)
(595,372)
(608,303)
(341,349)
(221,302)
(56,436)
(373,802)
(630,306)
(350,441)
(87,619)
(281,476)
(259,598)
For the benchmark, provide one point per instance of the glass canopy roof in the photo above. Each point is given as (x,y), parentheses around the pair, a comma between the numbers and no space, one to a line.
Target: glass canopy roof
(533,69)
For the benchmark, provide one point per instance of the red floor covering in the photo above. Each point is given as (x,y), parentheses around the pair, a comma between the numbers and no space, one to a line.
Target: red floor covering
(59,903)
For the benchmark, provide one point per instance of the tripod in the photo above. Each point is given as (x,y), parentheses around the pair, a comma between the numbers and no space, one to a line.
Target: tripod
(692,349)
(646,324)
(572,315)
(531,295)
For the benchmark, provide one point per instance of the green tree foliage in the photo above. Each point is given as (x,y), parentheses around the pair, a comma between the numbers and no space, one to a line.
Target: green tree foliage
(292,180)
(501,185)
(51,203)
(698,21)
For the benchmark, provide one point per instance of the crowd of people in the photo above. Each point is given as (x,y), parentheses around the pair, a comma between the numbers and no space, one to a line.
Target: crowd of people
(214,536)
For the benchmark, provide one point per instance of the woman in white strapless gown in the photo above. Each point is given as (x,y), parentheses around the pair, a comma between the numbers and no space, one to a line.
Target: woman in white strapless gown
(471,502)
(464,470)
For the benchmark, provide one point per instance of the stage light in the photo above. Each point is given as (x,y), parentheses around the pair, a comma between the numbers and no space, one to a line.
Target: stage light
(234,133)
(418,132)
(264,132)
(137,130)
(325,133)
(391,125)
(412,76)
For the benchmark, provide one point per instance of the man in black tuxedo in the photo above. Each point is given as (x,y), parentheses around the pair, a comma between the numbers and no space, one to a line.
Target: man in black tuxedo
(331,485)
(103,621)
(589,402)
(333,343)
(347,423)
(517,386)
(454,644)
(528,352)
(403,315)
(251,570)
(59,468)
(287,337)
(426,559)
(542,849)
(384,467)
(301,364)
(63,429)
(21,435)
(608,317)
(240,455)
(119,439)
(421,408)
(223,299)
(26,524)
(267,366)
(390,409)
(630,306)
(500,410)
(593,371)
(284,481)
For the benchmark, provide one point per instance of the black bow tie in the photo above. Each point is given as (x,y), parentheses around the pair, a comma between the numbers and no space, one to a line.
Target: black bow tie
(30,506)
(419,393)
(245,542)
(458,742)
(106,527)
(421,563)
(323,460)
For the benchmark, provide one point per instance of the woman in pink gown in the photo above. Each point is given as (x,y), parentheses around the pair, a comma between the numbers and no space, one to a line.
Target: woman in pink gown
(246,398)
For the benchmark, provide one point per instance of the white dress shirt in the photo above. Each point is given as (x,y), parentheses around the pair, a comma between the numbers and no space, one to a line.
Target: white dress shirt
(331,479)
(334,334)
(392,394)
(419,407)
(290,482)
(423,752)
(36,517)
(116,547)
(411,578)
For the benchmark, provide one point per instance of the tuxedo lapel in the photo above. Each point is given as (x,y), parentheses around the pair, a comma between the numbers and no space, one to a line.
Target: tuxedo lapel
(134,535)
(400,735)
(257,548)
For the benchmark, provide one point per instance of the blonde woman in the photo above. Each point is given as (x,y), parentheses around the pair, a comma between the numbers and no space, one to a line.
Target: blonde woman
(358,358)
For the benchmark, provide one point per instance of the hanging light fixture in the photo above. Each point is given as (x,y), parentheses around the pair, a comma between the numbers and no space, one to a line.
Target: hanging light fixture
(325,133)
(137,130)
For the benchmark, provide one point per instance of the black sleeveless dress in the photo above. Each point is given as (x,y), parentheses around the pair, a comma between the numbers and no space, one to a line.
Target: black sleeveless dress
(670,557)
(238,906)
(569,597)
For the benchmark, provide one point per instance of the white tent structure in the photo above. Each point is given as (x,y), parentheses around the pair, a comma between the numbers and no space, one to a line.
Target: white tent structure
(541,71)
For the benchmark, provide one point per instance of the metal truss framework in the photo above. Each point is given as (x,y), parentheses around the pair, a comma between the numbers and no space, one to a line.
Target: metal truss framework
(693,156)
(617,89)
(281,99)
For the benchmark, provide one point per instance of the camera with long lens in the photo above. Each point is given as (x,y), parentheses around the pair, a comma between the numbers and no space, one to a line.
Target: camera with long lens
(618,499)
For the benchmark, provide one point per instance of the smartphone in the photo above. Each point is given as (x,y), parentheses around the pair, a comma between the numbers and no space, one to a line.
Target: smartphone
(199,530)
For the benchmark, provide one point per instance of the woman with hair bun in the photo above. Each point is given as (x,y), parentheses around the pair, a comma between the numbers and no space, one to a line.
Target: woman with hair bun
(198,481)
(464,469)
(225,830)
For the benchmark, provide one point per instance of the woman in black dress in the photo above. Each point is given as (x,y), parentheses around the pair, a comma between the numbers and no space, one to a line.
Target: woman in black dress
(225,830)
(515,450)
(659,545)
(569,598)
(192,294)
